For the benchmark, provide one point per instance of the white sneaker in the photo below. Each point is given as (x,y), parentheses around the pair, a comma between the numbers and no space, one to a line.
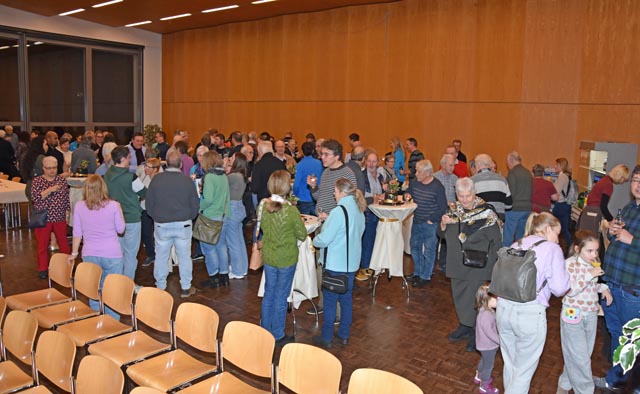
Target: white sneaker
(232,276)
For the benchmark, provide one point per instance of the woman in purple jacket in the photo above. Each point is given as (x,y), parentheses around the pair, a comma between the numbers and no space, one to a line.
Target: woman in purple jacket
(523,326)
(97,221)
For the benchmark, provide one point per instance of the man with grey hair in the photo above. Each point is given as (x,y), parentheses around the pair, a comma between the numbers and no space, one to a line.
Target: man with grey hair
(448,180)
(521,185)
(428,193)
(172,203)
(84,159)
(266,165)
(11,136)
(491,187)
(355,164)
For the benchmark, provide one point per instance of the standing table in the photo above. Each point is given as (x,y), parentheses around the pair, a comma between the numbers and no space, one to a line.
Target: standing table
(11,195)
(389,245)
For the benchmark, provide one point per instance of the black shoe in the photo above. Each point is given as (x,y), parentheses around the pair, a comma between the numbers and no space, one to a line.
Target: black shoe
(342,341)
(462,332)
(43,274)
(419,282)
(197,256)
(603,386)
(318,341)
(471,344)
(285,339)
(148,261)
(213,282)
(188,293)
(223,280)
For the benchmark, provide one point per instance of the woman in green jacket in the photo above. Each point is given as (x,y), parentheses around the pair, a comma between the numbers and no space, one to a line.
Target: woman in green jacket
(282,227)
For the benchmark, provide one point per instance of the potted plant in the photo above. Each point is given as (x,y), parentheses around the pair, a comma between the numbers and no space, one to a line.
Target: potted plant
(629,348)
(150,131)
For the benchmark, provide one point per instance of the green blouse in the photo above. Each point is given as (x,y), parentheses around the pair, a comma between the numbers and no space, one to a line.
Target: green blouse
(281,230)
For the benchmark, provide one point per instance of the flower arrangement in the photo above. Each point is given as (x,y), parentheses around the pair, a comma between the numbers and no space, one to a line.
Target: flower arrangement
(292,198)
(393,187)
(292,170)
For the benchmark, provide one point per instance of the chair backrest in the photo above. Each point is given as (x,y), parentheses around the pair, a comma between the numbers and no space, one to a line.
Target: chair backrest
(308,369)
(117,293)
(60,269)
(16,179)
(146,390)
(4,176)
(87,279)
(99,375)
(19,334)
(153,308)
(55,355)
(197,325)
(3,308)
(248,346)
(375,381)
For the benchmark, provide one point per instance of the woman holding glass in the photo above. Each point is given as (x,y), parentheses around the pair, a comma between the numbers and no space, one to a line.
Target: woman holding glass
(341,258)
(237,175)
(282,228)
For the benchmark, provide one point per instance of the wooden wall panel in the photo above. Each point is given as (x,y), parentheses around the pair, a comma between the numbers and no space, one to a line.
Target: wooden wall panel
(534,76)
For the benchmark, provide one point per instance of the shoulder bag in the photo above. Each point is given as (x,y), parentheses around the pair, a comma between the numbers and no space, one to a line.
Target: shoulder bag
(207,230)
(338,283)
(38,218)
(473,258)
(256,249)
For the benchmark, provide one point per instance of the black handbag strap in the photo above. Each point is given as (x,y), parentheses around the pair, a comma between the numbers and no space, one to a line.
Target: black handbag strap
(346,220)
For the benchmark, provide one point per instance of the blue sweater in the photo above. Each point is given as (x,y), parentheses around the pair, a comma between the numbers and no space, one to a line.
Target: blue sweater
(307,166)
(333,237)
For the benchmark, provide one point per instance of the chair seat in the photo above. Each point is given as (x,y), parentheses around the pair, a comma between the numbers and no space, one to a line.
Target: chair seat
(93,329)
(128,348)
(168,370)
(12,377)
(36,299)
(37,390)
(52,315)
(223,383)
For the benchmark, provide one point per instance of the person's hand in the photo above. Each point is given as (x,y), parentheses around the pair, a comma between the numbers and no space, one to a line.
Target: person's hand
(407,196)
(624,236)
(596,271)
(323,216)
(607,297)
(312,181)
(615,227)
(401,171)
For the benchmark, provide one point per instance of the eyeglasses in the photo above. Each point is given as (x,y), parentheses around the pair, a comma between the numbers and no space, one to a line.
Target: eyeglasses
(151,167)
(635,180)
(50,168)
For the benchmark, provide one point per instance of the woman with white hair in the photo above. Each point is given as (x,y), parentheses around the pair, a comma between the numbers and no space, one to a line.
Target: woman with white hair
(50,191)
(471,224)
(107,147)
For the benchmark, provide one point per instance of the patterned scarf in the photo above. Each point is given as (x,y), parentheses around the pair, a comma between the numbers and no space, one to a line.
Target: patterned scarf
(471,220)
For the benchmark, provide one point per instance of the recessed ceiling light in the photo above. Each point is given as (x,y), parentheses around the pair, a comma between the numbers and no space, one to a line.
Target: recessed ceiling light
(15,46)
(137,24)
(107,3)
(221,8)
(166,18)
(72,12)
(5,47)
(262,1)
(38,43)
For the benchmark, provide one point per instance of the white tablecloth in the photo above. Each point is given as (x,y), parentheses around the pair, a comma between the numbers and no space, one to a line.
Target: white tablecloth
(389,245)
(304,279)
(12,192)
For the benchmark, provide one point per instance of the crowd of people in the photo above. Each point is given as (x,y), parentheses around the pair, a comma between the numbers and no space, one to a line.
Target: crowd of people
(154,193)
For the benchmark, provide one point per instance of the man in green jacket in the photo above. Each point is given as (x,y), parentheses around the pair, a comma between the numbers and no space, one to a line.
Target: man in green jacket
(127,189)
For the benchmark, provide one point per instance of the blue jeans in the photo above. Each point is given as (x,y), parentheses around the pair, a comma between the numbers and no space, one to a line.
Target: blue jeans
(307,207)
(368,238)
(424,246)
(235,239)
(277,287)
(109,265)
(562,211)
(514,224)
(331,300)
(216,257)
(625,306)
(176,234)
(130,244)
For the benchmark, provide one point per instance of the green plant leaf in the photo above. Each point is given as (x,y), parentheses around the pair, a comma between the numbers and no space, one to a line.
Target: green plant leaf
(627,357)
(635,335)
(631,326)
(623,340)
(616,354)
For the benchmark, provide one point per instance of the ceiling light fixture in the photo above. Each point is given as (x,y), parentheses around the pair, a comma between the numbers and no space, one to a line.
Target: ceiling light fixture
(5,47)
(166,18)
(107,3)
(221,8)
(72,12)
(38,43)
(137,24)
(262,1)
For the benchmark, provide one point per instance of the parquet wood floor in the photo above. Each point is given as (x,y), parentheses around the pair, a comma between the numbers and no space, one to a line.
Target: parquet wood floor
(407,337)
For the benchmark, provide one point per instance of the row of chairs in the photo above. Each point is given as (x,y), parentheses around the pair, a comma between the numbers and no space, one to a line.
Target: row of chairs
(162,365)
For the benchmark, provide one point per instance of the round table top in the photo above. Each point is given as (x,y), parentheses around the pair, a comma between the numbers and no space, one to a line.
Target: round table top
(76,181)
(399,212)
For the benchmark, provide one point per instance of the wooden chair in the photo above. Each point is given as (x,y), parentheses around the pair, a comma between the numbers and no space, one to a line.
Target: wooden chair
(17,336)
(146,390)
(117,293)
(3,308)
(375,381)
(307,369)
(55,355)
(98,375)
(16,179)
(196,325)
(4,177)
(60,270)
(153,307)
(248,347)
(86,281)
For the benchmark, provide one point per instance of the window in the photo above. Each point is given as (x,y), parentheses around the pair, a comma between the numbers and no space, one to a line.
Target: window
(9,81)
(113,87)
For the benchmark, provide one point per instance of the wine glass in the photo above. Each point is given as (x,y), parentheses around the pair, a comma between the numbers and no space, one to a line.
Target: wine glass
(596,262)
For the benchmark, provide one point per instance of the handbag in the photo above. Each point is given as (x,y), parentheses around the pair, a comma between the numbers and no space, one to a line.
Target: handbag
(473,258)
(255,262)
(38,218)
(207,230)
(338,283)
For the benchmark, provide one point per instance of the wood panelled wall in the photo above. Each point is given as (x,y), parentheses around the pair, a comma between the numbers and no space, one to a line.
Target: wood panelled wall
(536,76)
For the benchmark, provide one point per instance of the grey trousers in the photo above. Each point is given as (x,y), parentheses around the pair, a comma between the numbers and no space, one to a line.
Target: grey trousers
(485,367)
(577,346)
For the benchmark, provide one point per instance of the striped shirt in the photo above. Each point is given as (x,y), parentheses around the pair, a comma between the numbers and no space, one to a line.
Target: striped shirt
(323,194)
(449,183)
(621,261)
(493,188)
(431,200)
